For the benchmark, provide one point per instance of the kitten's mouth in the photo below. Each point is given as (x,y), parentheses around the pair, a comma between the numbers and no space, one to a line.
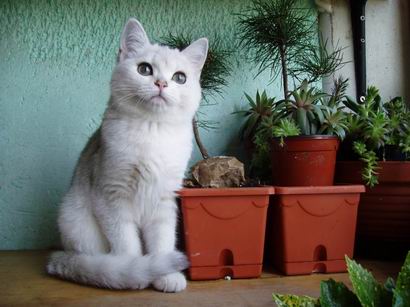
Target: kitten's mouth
(158,99)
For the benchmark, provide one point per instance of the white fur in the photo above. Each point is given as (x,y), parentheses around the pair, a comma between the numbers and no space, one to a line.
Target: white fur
(118,219)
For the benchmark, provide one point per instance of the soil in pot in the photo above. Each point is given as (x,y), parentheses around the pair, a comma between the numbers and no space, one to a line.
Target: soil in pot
(304,160)
(224,231)
(311,229)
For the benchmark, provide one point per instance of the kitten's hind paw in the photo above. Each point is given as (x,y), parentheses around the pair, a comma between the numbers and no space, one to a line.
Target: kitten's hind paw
(174,282)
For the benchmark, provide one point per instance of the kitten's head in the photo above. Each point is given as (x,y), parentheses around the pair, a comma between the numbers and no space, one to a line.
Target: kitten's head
(155,80)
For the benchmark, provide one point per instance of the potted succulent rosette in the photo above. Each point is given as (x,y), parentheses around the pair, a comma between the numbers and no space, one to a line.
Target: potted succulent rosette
(305,141)
(298,137)
(376,152)
(223,219)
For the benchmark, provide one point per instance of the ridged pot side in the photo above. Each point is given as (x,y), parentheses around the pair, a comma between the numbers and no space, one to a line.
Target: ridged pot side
(224,231)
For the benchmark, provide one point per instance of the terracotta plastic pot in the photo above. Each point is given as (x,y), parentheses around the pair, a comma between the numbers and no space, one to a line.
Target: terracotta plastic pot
(311,229)
(383,225)
(304,160)
(225,231)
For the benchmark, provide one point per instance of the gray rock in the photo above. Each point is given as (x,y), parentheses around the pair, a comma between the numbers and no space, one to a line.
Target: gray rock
(218,172)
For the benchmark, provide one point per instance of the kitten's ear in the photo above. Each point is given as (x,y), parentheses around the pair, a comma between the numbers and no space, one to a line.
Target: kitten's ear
(133,37)
(197,52)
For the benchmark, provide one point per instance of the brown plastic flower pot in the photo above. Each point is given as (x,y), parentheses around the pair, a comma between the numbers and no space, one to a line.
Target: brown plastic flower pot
(304,160)
(383,222)
(225,231)
(313,228)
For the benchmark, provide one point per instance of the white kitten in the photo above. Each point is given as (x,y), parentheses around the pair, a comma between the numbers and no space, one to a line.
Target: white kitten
(118,219)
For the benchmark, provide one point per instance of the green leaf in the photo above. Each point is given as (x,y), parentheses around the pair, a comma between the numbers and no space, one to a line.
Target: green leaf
(319,113)
(250,126)
(367,289)
(288,300)
(401,296)
(298,99)
(264,96)
(304,85)
(251,102)
(302,121)
(340,132)
(336,294)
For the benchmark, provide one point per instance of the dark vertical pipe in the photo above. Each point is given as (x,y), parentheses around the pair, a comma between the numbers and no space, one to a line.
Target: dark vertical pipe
(357,9)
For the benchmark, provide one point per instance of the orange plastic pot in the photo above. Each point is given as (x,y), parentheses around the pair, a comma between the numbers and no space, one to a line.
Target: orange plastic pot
(383,223)
(225,231)
(304,160)
(313,228)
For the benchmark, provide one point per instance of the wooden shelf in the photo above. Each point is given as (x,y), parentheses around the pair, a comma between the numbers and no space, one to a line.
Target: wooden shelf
(24,282)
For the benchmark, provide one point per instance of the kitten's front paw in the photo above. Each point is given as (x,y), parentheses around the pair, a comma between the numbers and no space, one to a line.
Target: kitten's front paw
(174,282)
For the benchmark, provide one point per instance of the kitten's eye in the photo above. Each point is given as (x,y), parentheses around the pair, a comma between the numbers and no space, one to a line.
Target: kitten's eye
(179,77)
(145,69)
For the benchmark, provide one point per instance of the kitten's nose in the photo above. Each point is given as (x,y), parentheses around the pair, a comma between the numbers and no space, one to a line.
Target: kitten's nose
(161,84)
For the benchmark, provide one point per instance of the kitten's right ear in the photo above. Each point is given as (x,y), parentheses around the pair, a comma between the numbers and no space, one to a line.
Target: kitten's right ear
(197,52)
(133,37)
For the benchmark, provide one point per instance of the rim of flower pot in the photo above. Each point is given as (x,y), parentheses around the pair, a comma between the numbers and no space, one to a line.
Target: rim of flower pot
(310,143)
(309,190)
(239,191)
(313,137)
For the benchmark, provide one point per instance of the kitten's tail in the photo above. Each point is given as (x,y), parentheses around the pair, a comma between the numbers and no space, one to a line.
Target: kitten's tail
(113,271)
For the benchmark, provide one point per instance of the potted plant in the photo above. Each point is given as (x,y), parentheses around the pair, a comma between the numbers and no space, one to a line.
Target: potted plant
(308,158)
(224,221)
(379,134)
(302,133)
(281,36)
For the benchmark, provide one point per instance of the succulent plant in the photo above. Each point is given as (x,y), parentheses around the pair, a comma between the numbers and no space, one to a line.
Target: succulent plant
(259,108)
(367,291)
(307,111)
(372,125)
(334,122)
(305,108)
(286,127)
(369,172)
(399,124)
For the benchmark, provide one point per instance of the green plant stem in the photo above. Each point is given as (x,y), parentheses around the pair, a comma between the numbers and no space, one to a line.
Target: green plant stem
(284,71)
(198,141)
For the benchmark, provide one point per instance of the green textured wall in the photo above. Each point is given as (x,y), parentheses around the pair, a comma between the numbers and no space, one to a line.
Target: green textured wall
(56,59)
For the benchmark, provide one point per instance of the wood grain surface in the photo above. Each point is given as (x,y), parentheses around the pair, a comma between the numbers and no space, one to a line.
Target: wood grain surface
(24,282)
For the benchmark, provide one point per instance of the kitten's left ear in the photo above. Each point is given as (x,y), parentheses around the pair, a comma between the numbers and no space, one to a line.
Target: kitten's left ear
(133,37)
(197,52)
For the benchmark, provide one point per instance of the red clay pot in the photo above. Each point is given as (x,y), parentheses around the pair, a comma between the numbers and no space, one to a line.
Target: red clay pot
(304,160)
(311,229)
(225,231)
(383,224)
